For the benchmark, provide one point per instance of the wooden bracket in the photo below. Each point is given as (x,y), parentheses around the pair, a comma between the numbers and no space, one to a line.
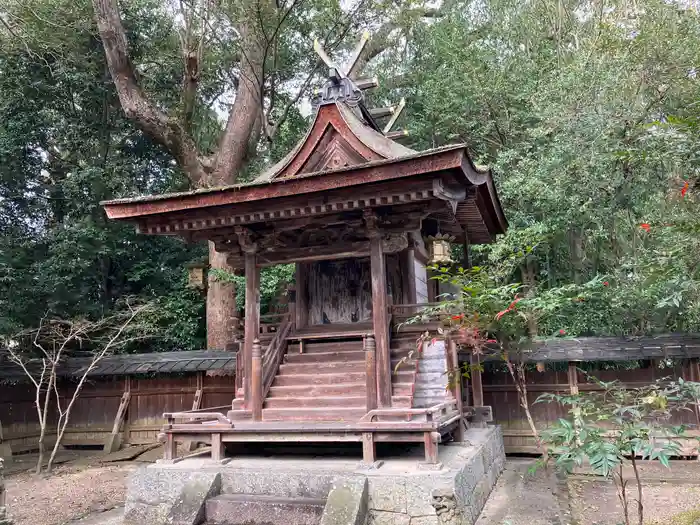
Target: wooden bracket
(191,445)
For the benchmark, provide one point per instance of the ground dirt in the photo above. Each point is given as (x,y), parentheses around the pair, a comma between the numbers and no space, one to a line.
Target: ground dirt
(72,492)
(86,491)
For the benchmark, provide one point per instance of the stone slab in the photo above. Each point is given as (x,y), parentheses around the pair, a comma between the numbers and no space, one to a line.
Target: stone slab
(347,502)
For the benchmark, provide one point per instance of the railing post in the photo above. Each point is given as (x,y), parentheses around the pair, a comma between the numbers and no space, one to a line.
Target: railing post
(256,382)
(370,349)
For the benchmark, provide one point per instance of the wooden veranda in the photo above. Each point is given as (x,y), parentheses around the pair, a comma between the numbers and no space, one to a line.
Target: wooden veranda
(351,209)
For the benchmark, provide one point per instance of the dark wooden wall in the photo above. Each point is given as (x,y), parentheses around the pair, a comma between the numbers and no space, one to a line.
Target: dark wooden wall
(93,414)
(342,289)
(501,395)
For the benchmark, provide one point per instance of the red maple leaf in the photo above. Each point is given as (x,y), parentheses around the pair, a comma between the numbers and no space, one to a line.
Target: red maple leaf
(685,189)
(645,226)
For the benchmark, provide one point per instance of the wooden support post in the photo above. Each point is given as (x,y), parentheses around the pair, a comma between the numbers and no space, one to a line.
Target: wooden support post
(380,320)
(252,319)
(113,442)
(369,448)
(302,295)
(408,275)
(456,387)
(573,378)
(256,382)
(477,388)
(169,447)
(430,441)
(217,447)
(371,371)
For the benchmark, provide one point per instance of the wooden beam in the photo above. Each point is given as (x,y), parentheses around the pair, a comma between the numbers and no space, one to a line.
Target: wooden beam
(371,371)
(313,253)
(256,382)
(252,320)
(113,442)
(380,320)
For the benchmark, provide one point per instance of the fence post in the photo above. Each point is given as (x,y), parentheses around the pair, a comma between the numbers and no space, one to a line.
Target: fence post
(256,382)
(370,348)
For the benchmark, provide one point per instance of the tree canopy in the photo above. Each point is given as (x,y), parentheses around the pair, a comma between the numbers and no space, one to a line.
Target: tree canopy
(587,111)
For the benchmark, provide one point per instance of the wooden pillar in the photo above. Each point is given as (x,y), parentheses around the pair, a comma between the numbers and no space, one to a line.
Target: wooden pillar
(252,319)
(217,447)
(467,259)
(430,441)
(477,387)
(453,361)
(369,449)
(408,276)
(169,447)
(380,320)
(256,386)
(302,295)
(371,371)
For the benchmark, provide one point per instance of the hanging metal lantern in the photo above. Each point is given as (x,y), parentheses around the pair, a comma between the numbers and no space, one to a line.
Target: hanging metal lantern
(440,248)
(197,275)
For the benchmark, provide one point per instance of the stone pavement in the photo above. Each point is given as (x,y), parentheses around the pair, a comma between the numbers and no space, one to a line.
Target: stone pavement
(521,499)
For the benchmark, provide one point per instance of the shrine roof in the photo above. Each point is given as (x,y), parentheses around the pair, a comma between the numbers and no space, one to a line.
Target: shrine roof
(266,178)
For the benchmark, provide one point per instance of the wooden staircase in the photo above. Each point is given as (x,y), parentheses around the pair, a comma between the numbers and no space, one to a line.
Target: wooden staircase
(326,381)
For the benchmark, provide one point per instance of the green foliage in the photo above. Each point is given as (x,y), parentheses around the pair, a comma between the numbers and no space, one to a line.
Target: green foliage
(613,427)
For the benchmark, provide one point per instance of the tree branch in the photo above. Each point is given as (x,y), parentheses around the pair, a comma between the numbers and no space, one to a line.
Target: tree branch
(154,122)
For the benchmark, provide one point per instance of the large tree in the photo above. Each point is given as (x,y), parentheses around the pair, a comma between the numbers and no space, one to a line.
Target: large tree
(264,48)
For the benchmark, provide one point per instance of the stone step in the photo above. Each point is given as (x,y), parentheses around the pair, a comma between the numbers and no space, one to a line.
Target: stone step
(245,509)
(313,414)
(325,357)
(432,365)
(307,390)
(322,368)
(316,402)
(430,377)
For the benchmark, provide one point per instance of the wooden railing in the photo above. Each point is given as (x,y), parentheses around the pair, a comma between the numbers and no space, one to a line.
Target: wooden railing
(403,312)
(270,323)
(442,412)
(274,353)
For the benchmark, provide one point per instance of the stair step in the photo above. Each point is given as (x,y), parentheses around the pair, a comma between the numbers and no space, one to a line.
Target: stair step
(311,347)
(307,390)
(313,414)
(401,401)
(317,402)
(321,368)
(240,509)
(402,389)
(307,378)
(325,357)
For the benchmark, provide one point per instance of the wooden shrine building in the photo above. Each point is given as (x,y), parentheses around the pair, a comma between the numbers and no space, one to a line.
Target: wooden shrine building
(350,207)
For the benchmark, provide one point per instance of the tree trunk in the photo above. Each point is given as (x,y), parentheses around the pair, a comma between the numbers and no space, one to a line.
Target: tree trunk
(222,318)
(231,156)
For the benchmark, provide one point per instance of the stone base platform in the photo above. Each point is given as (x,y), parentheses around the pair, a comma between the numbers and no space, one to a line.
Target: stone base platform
(397,491)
